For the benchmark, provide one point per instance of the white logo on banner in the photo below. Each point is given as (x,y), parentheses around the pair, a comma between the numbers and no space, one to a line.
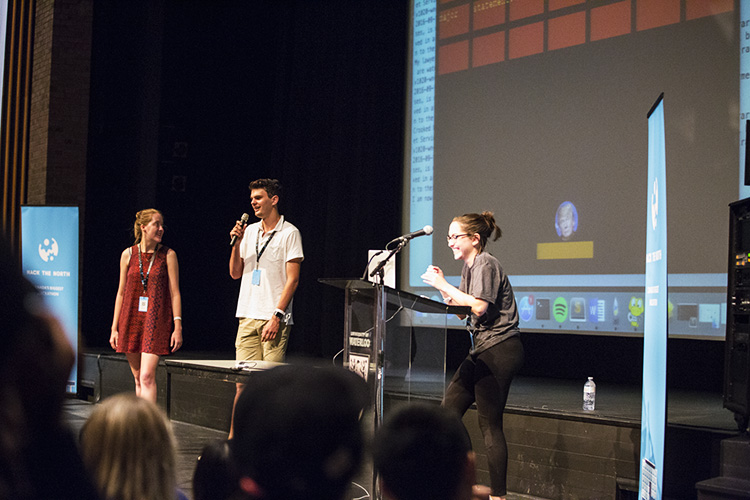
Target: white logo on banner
(48,251)
(655,203)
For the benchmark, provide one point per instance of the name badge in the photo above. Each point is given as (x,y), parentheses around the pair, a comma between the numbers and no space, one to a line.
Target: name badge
(143,304)
(256,277)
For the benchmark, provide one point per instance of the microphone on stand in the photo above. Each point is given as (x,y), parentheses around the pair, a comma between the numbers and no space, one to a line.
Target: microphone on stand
(402,240)
(245,217)
(425,231)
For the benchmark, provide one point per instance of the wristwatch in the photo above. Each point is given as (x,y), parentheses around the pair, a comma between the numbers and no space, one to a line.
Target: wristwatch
(279,313)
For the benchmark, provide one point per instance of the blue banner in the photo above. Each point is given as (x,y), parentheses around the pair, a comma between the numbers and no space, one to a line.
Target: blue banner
(654,404)
(49,240)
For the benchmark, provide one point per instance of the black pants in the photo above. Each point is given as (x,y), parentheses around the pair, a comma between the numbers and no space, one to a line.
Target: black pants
(485,379)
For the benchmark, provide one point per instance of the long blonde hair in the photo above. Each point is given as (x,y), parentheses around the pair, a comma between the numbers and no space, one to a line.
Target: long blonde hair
(129,449)
(142,218)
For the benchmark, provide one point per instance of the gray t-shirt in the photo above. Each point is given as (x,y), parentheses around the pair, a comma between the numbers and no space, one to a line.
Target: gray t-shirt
(486,280)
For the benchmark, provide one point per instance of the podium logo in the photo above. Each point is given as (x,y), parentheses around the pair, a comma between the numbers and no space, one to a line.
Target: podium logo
(560,309)
(48,250)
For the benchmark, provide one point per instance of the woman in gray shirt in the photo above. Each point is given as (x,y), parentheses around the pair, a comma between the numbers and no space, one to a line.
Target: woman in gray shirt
(496,352)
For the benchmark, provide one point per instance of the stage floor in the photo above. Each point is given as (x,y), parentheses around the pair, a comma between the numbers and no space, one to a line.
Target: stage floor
(618,404)
(615,403)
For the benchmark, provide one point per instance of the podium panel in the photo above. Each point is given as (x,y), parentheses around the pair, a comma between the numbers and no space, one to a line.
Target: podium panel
(389,349)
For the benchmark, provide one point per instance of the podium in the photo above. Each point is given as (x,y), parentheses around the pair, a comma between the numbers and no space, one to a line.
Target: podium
(396,341)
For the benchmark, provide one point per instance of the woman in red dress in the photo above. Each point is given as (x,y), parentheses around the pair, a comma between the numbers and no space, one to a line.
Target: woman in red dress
(147,322)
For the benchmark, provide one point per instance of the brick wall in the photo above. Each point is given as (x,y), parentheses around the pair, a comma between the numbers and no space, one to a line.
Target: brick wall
(60,102)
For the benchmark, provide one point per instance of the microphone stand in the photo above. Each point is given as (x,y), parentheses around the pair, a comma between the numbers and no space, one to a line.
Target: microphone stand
(364,274)
(379,270)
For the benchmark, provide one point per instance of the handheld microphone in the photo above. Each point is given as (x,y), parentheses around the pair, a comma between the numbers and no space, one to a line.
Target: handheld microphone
(245,217)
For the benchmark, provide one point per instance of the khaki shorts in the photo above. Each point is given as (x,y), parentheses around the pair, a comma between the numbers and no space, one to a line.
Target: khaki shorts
(248,345)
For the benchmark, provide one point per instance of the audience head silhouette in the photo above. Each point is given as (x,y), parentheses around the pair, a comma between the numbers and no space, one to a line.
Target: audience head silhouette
(128,446)
(297,433)
(423,451)
(38,455)
(215,476)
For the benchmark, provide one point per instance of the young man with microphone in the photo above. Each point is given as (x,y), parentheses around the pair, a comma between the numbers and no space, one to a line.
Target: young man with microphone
(266,256)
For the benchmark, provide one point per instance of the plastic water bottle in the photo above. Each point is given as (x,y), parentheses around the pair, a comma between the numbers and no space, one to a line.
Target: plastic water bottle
(589,395)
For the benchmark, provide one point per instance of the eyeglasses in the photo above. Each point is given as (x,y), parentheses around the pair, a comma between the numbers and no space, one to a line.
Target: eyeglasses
(453,237)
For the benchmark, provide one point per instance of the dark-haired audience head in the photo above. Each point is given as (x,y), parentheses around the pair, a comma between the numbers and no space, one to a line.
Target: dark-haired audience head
(38,457)
(215,476)
(424,451)
(30,336)
(297,433)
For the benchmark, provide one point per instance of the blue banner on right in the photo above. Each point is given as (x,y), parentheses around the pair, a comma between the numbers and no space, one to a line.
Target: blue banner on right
(654,404)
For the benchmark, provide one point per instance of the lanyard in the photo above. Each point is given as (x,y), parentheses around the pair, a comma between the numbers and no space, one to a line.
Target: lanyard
(144,279)
(257,242)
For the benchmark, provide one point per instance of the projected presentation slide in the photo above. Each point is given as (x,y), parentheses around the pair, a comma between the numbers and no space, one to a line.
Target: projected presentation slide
(537,111)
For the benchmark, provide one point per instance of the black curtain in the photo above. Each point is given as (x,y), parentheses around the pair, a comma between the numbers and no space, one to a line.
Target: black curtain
(310,92)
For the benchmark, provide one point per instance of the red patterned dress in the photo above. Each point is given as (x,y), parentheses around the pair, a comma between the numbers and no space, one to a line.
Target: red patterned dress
(148,331)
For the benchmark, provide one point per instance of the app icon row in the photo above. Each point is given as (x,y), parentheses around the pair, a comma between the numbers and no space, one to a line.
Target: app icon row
(580,309)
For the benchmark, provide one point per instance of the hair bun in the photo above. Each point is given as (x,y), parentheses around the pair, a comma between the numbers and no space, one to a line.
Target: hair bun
(489,218)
